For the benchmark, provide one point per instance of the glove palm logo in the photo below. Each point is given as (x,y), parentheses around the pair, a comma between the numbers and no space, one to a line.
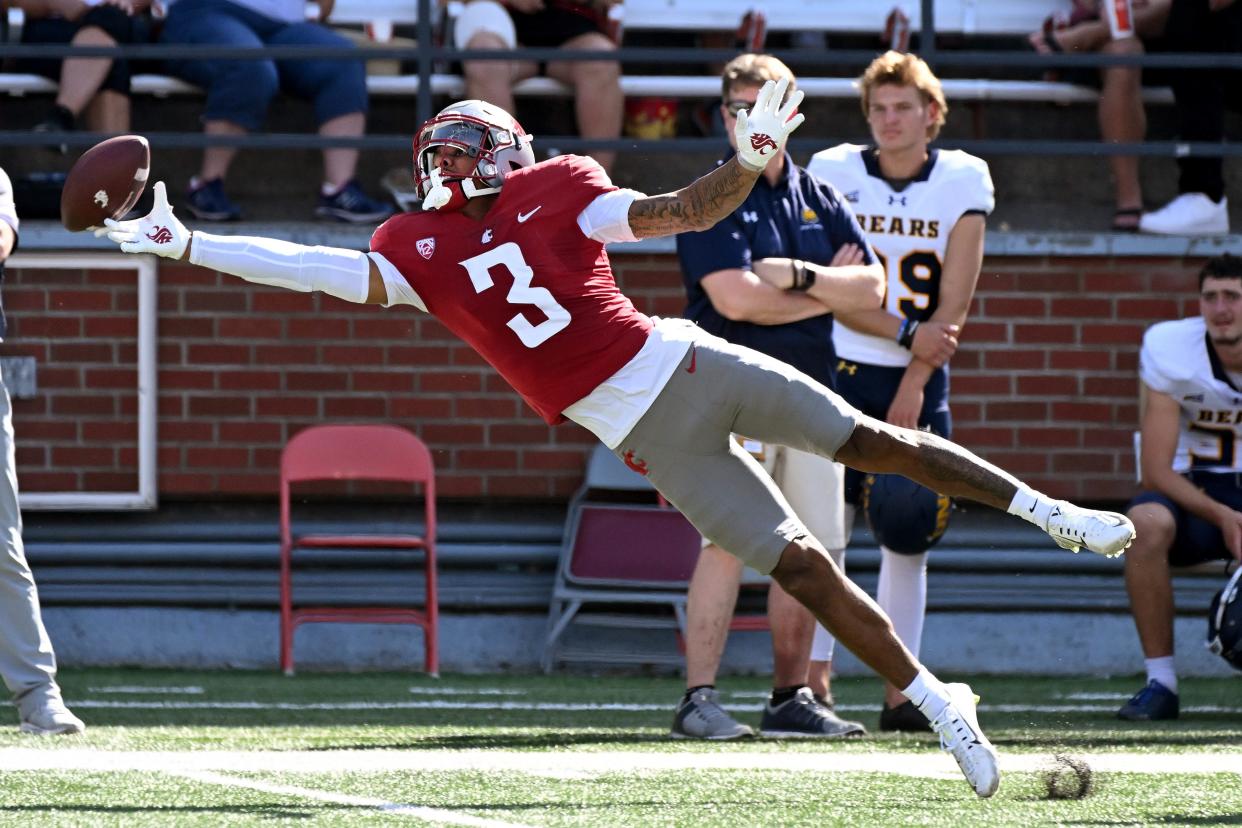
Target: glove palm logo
(160,235)
(759,142)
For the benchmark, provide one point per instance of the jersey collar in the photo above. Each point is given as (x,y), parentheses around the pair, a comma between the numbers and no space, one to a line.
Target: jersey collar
(871,160)
(1218,368)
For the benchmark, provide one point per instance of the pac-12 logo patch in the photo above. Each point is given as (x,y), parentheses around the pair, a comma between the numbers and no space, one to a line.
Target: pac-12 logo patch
(425,247)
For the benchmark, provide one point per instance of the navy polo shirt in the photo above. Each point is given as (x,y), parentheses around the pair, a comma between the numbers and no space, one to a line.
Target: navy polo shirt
(802,217)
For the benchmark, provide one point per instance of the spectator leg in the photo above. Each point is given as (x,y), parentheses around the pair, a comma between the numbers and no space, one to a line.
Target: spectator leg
(80,78)
(1148,581)
(710,601)
(1199,94)
(216,160)
(598,101)
(338,89)
(238,91)
(1123,119)
(492,80)
(792,627)
(340,163)
(108,111)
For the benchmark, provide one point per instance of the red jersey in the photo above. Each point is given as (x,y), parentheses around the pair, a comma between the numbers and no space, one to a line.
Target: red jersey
(524,287)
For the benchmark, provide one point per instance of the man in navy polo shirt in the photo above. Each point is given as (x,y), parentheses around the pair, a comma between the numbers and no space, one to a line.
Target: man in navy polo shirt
(798,226)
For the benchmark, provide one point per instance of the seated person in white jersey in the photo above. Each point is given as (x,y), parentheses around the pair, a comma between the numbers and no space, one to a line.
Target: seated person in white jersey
(509,255)
(1190,509)
(923,210)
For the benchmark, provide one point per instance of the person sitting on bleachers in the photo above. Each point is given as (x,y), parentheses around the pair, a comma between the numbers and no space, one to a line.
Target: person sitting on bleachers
(567,24)
(1121,114)
(240,91)
(96,87)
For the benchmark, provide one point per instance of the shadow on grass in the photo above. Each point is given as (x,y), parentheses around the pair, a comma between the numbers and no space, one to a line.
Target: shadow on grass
(266,812)
(478,741)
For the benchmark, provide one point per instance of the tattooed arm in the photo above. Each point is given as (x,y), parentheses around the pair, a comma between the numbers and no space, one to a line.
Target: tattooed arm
(696,206)
(759,136)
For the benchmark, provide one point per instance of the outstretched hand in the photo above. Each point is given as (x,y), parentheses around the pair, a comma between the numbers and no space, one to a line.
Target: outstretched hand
(762,131)
(157,232)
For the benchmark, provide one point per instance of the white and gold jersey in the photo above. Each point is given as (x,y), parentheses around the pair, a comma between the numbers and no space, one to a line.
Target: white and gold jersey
(1177,360)
(908,224)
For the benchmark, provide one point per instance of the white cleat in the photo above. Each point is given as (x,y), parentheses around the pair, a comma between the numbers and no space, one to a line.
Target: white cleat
(1104,533)
(960,735)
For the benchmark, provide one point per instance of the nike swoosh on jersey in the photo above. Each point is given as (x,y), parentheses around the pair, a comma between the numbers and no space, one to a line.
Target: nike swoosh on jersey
(521,217)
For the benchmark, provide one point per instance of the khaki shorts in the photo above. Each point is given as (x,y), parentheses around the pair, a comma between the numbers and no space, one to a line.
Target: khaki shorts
(685,441)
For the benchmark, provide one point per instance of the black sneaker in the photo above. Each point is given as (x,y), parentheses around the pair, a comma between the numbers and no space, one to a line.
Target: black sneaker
(904,718)
(59,119)
(702,717)
(351,204)
(1153,703)
(208,202)
(801,717)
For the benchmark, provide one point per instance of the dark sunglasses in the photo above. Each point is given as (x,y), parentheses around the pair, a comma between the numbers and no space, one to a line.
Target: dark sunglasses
(734,107)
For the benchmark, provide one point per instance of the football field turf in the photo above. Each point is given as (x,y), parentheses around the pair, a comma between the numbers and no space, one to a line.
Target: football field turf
(248,748)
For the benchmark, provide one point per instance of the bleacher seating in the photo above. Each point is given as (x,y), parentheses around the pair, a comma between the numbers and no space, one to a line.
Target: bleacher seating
(1003,17)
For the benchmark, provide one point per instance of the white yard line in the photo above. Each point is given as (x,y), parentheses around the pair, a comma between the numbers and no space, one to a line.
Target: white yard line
(570,707)
(926,762)
(138,689)
(461,691)
(422,812)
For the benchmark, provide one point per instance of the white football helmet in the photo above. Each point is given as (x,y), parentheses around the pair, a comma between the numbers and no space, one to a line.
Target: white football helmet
(486,133)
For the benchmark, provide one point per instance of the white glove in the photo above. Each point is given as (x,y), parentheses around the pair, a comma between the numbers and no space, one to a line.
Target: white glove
(157,232)
(761,133)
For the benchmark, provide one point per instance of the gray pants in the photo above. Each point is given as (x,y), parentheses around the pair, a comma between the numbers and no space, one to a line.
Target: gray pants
(683,444)
(27,663)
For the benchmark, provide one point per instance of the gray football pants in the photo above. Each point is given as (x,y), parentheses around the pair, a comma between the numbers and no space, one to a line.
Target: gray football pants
(684,444)
(26,659)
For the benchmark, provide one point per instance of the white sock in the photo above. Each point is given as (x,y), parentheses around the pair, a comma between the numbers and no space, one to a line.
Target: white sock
(1161,669)
(927,692)
(902,594)
(824,644)
(1031,506)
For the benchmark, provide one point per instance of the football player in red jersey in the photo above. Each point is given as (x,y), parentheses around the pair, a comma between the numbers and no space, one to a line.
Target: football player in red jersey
(509,255)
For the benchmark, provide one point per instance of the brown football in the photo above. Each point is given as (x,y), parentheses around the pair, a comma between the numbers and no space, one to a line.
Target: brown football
(105,182)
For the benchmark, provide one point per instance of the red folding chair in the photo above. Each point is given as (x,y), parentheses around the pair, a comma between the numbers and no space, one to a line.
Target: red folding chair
(617,555)
(358,452)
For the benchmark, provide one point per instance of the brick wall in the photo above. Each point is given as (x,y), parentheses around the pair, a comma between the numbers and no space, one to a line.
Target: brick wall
(1044,384)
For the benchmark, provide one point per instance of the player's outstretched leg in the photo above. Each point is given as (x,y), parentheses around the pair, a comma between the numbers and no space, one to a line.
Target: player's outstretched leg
(946,467)
(809,574)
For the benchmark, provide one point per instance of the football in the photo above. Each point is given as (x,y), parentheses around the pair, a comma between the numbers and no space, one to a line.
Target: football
(105,182)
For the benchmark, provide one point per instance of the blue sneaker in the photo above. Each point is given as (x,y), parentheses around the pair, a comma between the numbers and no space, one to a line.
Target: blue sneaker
(1153,703)
(207,201)
(351,204)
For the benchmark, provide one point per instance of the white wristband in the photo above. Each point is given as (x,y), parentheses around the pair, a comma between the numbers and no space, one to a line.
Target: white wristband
(333,270)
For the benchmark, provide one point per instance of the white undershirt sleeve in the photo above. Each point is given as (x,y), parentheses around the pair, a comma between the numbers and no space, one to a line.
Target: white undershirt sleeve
(345,274)
(607,218)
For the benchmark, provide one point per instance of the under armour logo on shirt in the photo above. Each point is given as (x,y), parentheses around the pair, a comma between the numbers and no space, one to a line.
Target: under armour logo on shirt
(897,200)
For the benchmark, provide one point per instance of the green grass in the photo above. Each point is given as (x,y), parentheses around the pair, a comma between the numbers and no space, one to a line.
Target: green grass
(410,756)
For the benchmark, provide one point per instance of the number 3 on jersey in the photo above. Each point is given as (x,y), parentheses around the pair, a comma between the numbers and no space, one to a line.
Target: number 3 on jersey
(509,256)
